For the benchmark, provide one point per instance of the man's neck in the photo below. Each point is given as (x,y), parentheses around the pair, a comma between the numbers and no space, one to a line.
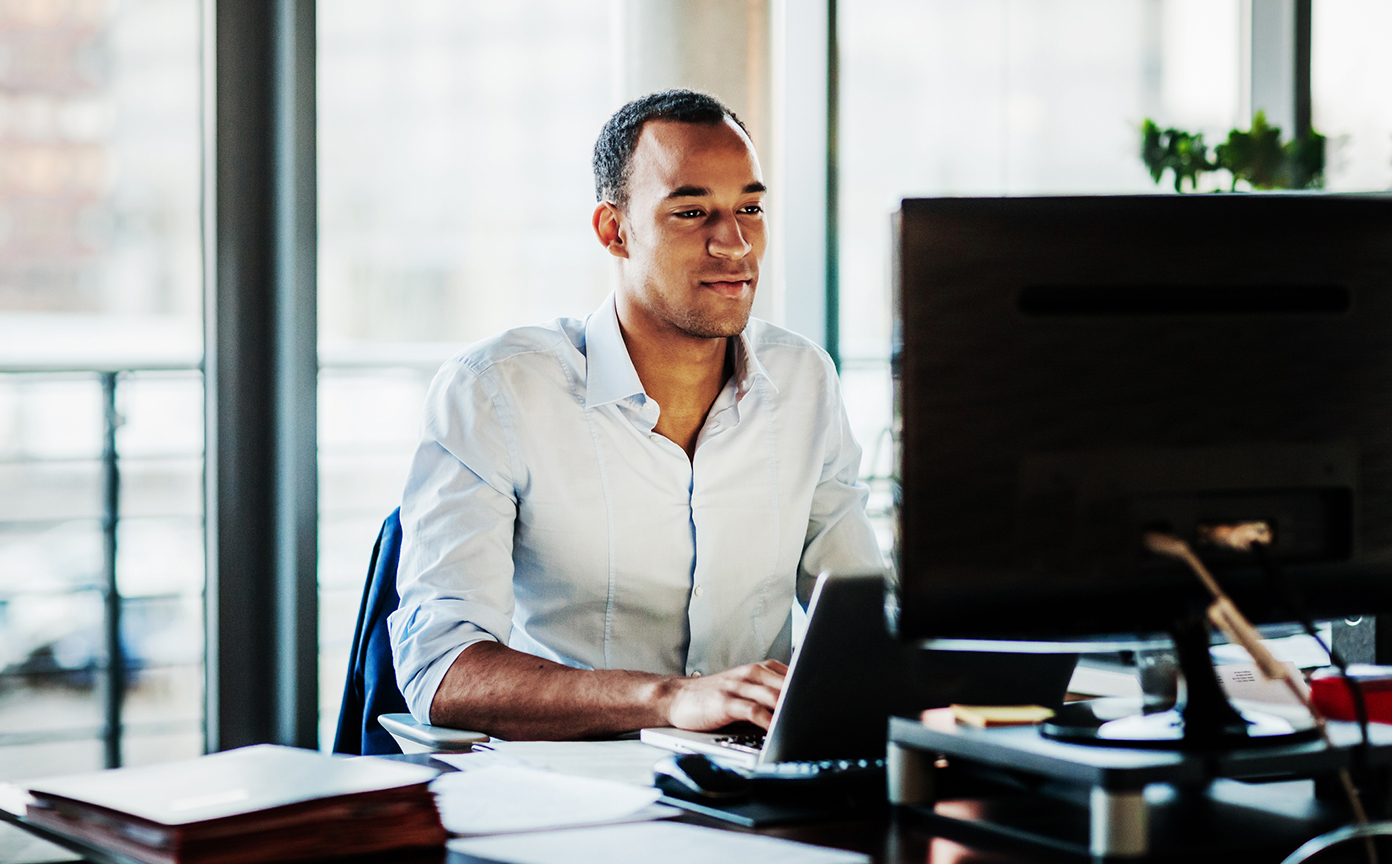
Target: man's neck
(683,373)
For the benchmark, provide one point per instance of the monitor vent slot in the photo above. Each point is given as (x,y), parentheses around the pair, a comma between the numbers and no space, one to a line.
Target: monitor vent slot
(1085,300)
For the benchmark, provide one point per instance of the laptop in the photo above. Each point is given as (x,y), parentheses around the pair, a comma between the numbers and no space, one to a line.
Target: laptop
(836,699)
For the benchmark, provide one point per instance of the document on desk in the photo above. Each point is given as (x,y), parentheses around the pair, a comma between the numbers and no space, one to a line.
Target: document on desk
(620,761)
(253,804)
(670,843)
(508,798)
(14,799)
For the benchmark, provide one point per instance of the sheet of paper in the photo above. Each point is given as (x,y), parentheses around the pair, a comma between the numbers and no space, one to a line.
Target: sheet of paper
(502,798)
(670,843)
(14,799)
(1091,681)
(1245,681)
(620,761)
(1248,690)
(1299,649)
(479,758)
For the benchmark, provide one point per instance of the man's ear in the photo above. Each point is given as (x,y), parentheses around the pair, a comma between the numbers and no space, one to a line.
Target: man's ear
(609,228)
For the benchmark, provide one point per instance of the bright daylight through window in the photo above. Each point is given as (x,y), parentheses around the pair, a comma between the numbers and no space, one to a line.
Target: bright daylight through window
(454,198)
(100,302)
(454,201)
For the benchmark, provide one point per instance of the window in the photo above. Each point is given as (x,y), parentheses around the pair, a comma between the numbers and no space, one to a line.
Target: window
(455,195)
(100,294)
(1350,69)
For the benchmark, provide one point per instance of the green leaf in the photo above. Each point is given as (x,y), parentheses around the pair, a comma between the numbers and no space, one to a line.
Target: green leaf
(1256,156)
(1182,153)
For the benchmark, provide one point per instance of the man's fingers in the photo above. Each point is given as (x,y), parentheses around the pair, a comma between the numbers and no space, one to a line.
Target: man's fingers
(775,673)
(753,713)
(759,694)
(748,693)
(770,673)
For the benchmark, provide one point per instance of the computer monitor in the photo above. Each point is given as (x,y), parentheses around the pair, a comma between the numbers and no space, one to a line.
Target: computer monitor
(1071,372)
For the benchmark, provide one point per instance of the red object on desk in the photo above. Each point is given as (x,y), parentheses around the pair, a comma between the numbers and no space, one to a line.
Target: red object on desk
(1330,692)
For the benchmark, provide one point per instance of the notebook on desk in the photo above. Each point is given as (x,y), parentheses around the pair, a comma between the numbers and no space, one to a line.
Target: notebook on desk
(836,698)
(255,804)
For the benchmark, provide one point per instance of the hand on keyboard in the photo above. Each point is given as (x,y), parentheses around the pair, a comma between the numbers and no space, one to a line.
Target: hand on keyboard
(743,694)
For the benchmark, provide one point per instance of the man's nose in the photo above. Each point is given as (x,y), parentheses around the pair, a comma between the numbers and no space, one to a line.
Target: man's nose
(727,240)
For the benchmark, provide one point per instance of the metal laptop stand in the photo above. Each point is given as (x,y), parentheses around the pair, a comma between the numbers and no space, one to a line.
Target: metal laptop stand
(1117,803)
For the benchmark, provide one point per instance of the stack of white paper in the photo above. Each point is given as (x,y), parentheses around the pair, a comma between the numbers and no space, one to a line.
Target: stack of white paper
(506,793)
(621,761)
(503,798)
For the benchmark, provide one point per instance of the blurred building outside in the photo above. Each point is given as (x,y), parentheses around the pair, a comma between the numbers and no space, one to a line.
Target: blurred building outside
(99,270)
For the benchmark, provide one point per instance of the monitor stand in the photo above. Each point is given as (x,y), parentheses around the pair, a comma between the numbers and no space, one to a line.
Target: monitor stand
(1205,721)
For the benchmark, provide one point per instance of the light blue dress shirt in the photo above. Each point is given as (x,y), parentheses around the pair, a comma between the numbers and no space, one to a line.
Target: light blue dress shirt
(542,510)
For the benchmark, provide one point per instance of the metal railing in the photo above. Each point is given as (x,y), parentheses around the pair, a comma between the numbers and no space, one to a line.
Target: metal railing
(111,624)
(114,668)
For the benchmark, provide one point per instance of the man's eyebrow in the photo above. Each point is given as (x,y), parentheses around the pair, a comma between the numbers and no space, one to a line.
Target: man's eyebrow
(701,191)
(689,192)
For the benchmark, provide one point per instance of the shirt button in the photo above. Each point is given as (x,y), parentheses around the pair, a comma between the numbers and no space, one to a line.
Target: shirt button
(696,592)
(696,674)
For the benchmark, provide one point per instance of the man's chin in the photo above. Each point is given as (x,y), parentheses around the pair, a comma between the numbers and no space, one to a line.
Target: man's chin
(704,326)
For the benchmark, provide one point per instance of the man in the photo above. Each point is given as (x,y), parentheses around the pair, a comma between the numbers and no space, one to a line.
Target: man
(607,521)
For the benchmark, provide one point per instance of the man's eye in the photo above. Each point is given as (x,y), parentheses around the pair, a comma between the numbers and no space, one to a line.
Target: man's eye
(752,209)
(689,214)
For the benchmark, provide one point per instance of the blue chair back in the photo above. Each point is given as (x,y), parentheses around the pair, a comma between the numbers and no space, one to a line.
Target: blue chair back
(371,690)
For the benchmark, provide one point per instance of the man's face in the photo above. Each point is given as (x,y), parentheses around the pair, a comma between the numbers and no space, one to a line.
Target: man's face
(693,233)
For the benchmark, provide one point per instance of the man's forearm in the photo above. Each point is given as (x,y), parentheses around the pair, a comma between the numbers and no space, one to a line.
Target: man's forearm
(493,689)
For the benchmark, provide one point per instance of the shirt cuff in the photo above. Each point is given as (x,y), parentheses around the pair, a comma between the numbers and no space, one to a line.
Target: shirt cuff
(420,690)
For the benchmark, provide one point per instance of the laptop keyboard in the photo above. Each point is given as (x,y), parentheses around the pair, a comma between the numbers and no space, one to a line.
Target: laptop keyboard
(745,742)
(818,772)
(829,773)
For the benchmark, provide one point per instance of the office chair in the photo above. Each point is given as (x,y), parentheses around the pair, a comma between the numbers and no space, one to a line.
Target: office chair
(373,720)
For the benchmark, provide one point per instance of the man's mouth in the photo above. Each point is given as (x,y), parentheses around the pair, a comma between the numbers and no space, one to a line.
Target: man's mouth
(728,287)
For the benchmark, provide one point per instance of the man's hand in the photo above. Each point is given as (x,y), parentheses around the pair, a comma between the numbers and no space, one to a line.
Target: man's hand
(745,693)
(493,689)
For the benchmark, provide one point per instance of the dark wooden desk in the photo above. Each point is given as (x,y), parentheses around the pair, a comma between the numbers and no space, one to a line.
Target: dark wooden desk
(884,839)
(888,836)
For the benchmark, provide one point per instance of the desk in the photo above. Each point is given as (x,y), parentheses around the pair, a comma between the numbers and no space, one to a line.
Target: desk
(885,839)
(888,837)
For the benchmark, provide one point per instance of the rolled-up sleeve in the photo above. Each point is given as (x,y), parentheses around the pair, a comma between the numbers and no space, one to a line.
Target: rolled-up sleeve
(457,515)
(840,537)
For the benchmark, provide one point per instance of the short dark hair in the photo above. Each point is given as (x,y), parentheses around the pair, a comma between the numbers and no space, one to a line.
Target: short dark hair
(613,152)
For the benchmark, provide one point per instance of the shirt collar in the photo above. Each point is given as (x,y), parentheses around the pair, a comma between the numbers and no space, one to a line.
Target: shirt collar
(609,372)
(610,376)
(748,367)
